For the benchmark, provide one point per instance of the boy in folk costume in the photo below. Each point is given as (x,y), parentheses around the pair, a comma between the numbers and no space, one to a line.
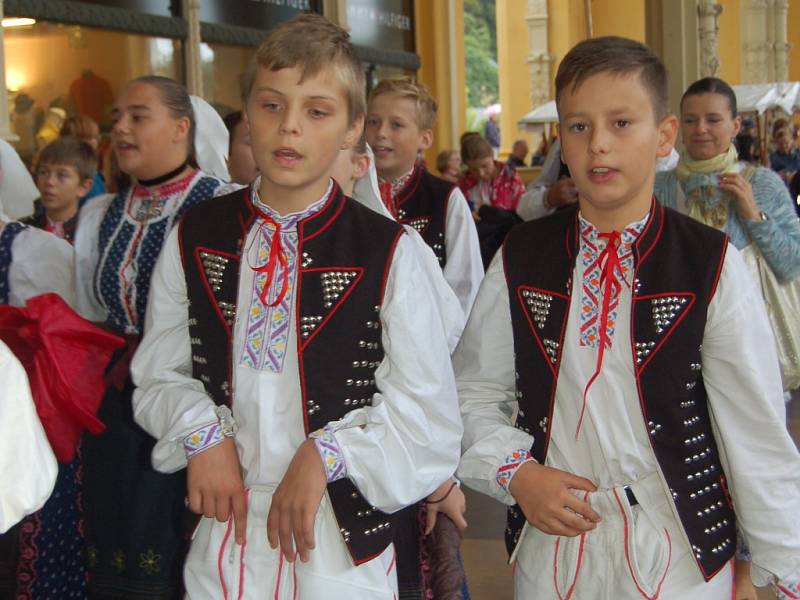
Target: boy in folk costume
(291,338)
(639,354)
(399,126)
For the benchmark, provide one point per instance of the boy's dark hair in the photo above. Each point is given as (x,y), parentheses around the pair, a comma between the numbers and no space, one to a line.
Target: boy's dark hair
(232,121)
(712,85)
(313,44)
(72,152)
(618,56)
(474,146)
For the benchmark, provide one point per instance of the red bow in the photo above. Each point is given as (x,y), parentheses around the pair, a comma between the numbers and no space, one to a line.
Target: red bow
(609,267)
(276,256)
(386,196)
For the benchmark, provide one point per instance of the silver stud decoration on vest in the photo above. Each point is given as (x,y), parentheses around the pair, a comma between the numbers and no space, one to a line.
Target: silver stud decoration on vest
(229,312)
(551,348)
(664,311)
(214,267)
(539,306)
(643,349)
(308,324)
(306,260)
(334,283)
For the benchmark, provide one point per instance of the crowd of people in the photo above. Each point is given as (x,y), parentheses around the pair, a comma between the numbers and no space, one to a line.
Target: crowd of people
(274,349)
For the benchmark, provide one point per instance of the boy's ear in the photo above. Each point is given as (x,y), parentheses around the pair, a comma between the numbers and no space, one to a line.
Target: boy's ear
(353,133)
(84,187)
(360,166)
(667,134)
(425,139)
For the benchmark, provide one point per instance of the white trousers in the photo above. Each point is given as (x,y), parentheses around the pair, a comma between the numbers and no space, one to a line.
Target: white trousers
(635,552)
(217,569)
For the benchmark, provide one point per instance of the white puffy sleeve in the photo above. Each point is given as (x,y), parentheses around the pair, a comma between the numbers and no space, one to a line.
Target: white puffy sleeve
(27,466)
(742,378)
(41,263)
(407,443)
(484,367)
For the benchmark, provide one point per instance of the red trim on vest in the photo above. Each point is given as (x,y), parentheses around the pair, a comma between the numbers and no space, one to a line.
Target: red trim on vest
(719,270)
(692,299)
(340,300)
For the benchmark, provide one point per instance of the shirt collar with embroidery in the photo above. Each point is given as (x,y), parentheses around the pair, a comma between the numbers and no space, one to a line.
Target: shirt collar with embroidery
(399,183)
(288,221)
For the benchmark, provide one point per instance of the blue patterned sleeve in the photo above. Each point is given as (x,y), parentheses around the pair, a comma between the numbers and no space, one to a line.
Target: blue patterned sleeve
(778,237)
(665,188)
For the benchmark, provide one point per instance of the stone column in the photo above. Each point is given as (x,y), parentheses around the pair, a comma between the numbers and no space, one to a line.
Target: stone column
(758,66)
(5,121)
(539,58)
(194,71)
(708,13)
(780,40)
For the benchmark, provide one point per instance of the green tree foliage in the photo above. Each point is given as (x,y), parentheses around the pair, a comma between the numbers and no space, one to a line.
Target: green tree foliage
(480,48)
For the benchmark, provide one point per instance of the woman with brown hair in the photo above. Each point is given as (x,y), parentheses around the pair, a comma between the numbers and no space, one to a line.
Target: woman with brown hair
(134,516)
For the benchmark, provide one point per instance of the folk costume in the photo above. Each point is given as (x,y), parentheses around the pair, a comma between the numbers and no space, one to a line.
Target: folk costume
(631,363)
(42,556)
(136,520)
(438,211)
(424,563)
(317,321)
(64,230)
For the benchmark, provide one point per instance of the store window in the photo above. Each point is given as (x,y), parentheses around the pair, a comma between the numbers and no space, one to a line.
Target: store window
(55,70)
(222,68)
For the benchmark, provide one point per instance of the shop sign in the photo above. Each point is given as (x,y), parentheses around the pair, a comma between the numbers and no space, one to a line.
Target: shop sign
(387,24)
(256,14)
(151,7)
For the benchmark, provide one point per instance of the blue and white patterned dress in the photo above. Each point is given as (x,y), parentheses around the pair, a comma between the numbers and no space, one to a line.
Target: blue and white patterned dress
(135,517)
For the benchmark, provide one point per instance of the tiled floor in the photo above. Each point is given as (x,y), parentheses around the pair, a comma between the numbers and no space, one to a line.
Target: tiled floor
(484,552)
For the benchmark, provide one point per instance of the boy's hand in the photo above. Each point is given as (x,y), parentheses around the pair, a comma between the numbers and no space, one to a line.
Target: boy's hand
(544,496)
(454,506)
(745,590)
(215,488)
(295,503)
(562,192)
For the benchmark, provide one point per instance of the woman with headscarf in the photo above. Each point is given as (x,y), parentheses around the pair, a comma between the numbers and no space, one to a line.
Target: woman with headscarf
(710,184)
(135,518)
(750,204)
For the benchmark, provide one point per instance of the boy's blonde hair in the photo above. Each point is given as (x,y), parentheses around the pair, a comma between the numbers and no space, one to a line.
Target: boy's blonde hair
(408,88)
(313,44)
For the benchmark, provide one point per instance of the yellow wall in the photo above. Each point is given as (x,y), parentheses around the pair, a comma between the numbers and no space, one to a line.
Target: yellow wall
(432,31)
(619,17)
(565,28)
(729,42)
(794,39)
(515,85)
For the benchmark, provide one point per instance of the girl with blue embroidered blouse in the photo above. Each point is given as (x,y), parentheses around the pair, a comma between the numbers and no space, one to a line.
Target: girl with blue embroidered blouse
(710,184)
(135,516)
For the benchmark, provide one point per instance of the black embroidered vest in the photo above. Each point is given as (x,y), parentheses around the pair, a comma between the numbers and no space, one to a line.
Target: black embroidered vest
(422,203)
(677,266)
(345,251)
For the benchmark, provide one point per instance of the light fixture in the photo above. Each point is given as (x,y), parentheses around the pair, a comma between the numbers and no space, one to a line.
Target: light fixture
(15,80)
(18,22)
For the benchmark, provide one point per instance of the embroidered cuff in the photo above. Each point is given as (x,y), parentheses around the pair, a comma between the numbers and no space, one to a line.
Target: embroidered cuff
(203,439)
(787,591)
(331,454)
(510,466)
